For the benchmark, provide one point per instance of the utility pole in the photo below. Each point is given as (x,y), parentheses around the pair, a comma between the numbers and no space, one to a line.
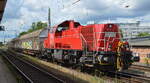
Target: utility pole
(49,18)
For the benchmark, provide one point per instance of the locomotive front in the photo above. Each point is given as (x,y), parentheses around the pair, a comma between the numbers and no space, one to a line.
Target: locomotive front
(105,49)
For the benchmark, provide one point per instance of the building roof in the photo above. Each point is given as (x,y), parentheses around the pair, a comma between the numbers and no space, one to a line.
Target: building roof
(140,42)
(43,33)
(2,8)
(145,43)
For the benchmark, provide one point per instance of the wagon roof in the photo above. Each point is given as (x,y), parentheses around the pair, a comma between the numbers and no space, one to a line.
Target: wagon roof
(31,35)
(15,39)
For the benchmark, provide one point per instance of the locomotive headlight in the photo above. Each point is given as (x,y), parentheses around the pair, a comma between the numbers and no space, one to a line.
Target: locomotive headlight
(105,59)
(102,58)
(110,46)
(110,26)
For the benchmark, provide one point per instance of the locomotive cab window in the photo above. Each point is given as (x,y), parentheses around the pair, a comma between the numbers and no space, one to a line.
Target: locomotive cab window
(76,24)
(63,26)
(59,29)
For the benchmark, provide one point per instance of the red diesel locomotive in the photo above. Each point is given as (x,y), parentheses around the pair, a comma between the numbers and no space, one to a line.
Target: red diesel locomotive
(96,45)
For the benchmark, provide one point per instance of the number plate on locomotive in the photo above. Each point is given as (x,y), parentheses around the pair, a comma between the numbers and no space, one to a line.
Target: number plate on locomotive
(110,34)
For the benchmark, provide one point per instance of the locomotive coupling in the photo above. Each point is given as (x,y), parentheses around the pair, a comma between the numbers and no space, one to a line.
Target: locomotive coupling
(135,57)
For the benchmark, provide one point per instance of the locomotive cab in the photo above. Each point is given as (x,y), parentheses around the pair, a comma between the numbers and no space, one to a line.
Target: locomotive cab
(65,41)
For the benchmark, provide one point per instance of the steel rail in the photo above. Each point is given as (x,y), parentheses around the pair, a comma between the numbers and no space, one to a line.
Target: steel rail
(140,67)
(25,77)
(29,64)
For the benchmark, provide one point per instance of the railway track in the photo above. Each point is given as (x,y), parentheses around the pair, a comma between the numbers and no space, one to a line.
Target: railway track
(134,77)
(31,73)
(140,67)
(128,77)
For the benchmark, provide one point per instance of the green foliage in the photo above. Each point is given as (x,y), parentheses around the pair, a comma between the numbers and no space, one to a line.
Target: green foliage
(34,27)
(143,34)
(147,61)
(22,33)
(1,44)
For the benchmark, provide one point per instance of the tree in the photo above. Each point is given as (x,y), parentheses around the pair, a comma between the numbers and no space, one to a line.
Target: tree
(143,34)
(34,27)
(2,28)
(22,33)
(1,43)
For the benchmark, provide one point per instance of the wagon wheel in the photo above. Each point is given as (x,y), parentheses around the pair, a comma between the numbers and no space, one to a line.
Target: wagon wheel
(43,53)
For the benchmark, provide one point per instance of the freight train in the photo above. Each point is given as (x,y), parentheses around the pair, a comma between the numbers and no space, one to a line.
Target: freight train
(97,46)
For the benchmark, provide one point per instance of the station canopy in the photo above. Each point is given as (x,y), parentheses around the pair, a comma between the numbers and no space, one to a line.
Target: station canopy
(2,8)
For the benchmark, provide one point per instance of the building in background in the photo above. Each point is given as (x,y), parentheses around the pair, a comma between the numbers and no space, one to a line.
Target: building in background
(131,30)
(141,47)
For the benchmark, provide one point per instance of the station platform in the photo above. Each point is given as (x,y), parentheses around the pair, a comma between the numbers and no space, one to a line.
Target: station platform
(5,74)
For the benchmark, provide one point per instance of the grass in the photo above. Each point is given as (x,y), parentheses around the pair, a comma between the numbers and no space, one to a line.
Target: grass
(72,74)
(146,60)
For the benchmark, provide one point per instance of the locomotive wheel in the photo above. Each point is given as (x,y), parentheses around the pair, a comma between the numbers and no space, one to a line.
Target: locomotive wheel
(98,73)
(44,55)
(50,57)
(82,68)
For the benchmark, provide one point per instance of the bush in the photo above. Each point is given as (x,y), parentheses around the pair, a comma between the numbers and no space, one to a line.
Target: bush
(143,34)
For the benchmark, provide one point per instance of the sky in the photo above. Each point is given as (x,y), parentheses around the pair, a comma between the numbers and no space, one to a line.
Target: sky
(19,14)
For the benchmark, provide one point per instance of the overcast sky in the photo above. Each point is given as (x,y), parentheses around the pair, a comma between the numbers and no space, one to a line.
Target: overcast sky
(19,14)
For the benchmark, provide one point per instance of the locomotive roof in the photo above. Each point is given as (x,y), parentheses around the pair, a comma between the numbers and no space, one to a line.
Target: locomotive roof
(65,23)
(31,35)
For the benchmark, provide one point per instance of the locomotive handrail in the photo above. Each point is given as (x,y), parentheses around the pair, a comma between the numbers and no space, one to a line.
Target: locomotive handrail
(105,32)
(85,43)
(68,35)
(108,40)
(105,39)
